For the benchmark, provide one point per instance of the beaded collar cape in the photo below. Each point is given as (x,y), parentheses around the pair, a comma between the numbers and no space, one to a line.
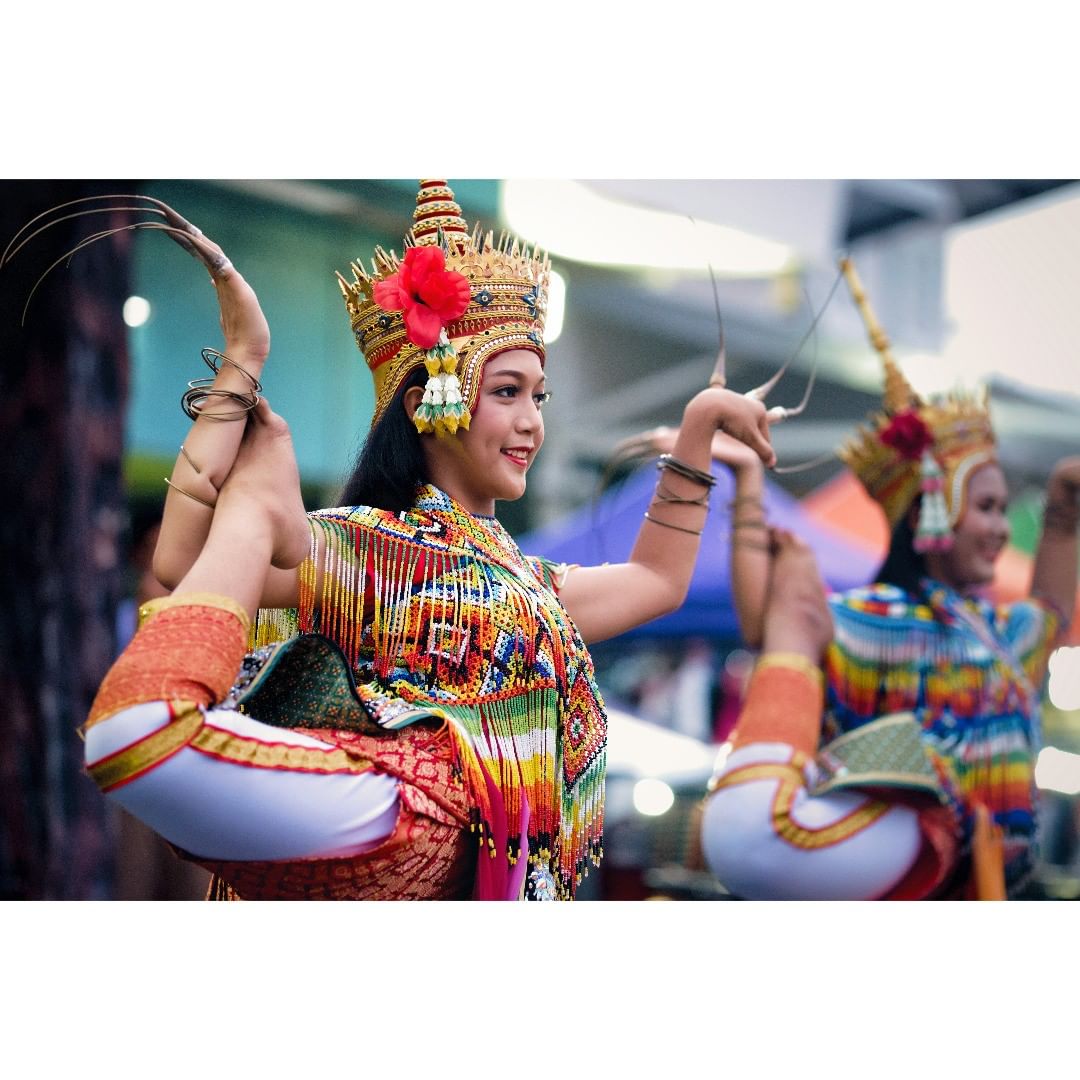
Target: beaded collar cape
(441,616)
(969,673)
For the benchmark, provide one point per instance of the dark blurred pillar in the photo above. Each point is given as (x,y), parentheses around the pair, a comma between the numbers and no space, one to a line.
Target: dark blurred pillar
(63,386)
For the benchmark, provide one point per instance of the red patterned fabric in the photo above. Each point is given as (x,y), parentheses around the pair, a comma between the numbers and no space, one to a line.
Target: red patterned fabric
(431,854)
(938,857)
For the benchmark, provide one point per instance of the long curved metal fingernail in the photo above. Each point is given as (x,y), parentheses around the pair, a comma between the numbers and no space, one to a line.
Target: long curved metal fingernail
(134,226)
(178,221)
(12,252)
(84,243)
(8,252)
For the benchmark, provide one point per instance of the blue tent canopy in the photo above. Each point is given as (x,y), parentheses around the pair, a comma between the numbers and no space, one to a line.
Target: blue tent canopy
(605,532)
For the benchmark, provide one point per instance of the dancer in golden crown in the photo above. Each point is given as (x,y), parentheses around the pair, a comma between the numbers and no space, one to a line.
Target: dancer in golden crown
(903,765)
(419,717)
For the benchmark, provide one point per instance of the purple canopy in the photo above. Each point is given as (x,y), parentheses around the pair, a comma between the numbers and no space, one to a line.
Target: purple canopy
(605,532)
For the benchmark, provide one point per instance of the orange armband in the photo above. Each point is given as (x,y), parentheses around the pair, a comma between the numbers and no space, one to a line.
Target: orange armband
(188,648)
(783,704)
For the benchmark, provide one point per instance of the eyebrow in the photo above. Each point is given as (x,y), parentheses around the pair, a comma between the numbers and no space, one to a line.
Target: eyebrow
(515,375)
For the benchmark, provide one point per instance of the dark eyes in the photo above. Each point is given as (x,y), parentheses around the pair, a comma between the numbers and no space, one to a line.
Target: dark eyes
(540,400)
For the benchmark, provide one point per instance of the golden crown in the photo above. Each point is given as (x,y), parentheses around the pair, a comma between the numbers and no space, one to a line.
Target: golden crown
(505,309)
(915,446)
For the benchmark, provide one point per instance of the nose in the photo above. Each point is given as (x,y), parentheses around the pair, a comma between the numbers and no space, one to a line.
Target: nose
(1000,525)
(528,418)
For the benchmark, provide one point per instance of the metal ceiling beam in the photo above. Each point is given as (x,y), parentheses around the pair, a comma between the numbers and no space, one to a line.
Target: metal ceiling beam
(936,200)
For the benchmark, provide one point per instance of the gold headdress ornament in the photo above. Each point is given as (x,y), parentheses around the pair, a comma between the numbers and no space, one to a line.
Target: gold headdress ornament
(917,446)
(453,301)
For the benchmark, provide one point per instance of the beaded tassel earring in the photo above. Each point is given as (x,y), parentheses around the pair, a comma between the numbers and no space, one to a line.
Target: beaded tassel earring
(933,532)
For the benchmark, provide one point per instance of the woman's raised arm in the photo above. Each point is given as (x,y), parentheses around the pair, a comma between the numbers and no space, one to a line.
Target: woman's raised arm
(210,447)
(750,544)
(1055,573)
(608,600)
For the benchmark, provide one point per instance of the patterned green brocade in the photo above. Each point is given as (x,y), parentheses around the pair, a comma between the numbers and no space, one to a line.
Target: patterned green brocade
(884,753)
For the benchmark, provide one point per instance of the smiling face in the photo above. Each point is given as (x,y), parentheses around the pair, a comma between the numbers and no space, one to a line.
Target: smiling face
(489,460)
(980,534)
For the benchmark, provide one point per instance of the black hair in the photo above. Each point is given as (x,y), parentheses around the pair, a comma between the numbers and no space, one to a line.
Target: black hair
(904,567)
(391,463)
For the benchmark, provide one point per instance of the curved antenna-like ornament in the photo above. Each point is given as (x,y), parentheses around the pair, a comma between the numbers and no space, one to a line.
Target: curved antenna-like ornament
(779,413)
(156,206)
(719,372)
(187,235)
(197,244)
(806,466)
(11,252)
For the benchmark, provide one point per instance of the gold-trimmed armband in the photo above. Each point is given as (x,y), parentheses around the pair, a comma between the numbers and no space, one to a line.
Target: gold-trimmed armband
(792,662)
(195,599)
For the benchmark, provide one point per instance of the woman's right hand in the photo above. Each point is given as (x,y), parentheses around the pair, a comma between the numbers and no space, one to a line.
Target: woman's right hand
(247,333)
(210,448)
(797,616)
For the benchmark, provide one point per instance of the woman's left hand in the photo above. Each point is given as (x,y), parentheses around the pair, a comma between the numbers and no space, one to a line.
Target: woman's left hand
(247,334)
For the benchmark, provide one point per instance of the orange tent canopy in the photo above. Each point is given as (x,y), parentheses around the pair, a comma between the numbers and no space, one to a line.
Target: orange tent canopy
(843,505)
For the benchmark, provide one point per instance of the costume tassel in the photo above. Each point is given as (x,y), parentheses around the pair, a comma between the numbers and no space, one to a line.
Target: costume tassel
(442,409)
(933,532)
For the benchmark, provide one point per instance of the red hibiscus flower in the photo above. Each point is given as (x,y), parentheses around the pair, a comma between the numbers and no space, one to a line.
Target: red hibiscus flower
(430,295)
(907,434)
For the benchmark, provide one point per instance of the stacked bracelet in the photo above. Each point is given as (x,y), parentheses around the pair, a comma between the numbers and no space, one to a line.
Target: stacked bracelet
(199,391)
(184,491)
(668,525)
(211,358)
(753,545)
(663,495)
(666,461)
(743,500)
(759,523)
